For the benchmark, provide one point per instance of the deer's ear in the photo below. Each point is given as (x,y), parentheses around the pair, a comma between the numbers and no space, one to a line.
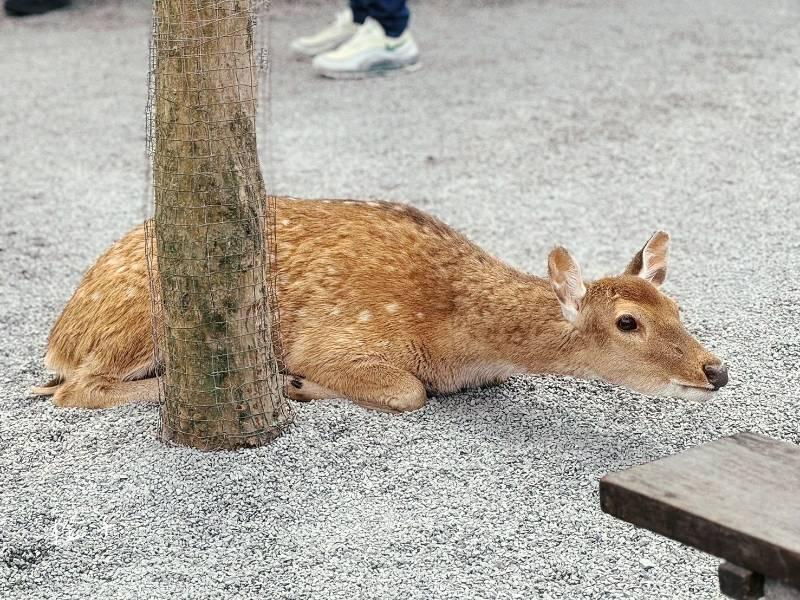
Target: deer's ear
(650,262)
(567,282)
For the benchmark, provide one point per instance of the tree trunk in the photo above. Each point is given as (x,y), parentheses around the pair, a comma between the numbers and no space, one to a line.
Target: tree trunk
(213,230)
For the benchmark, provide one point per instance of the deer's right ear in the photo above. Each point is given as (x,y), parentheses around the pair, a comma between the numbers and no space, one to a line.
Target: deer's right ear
(567,282)
(650,262)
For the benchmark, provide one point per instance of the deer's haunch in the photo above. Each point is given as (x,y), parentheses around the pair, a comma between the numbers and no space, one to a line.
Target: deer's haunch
(382,304)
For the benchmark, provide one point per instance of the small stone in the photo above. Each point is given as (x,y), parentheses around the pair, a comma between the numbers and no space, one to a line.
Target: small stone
(646,564)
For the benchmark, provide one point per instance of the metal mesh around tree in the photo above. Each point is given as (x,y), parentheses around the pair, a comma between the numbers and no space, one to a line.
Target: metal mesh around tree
(211,246)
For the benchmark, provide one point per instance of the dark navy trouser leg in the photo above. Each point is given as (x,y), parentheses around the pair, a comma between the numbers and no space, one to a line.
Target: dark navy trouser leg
(391,14)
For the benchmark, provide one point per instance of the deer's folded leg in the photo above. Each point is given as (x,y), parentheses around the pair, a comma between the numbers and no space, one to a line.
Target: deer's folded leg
(100,391)
(371,383)
(301,389)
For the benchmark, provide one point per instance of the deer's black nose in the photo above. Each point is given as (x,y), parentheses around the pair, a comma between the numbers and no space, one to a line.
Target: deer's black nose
(717,375)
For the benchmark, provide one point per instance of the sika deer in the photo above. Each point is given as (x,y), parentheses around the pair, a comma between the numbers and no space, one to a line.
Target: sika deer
(383,304)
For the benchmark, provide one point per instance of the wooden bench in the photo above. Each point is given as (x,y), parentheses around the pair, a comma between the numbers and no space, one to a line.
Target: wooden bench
(737,498)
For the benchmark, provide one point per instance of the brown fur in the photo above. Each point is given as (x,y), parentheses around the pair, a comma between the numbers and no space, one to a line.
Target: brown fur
(381,303)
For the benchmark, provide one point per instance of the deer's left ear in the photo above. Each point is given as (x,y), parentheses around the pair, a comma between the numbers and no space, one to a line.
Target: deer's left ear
(650,262)
(567,282)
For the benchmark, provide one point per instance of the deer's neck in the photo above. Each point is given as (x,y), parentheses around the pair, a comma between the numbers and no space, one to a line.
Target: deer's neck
(516,319)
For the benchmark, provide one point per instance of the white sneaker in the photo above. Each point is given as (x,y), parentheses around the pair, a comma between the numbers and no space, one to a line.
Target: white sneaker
(369,52)
(332,36)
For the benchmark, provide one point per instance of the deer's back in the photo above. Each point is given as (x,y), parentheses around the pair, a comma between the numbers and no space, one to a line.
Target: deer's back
(370,278)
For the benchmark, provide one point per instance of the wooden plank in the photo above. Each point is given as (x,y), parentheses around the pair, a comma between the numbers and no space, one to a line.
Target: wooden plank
(739,583)
(737,498)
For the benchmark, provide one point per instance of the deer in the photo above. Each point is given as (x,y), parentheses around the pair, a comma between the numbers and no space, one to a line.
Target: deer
(385,305)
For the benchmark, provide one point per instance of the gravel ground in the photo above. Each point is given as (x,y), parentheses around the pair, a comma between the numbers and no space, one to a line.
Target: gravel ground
(532,123)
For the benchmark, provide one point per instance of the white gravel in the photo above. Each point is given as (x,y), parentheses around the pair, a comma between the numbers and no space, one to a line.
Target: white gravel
(532,123)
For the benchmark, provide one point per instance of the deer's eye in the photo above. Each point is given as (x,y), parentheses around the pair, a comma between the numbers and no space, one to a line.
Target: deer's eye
(626,323)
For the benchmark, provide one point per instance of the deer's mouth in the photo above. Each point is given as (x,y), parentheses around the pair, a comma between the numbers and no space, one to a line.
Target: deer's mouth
(686,391)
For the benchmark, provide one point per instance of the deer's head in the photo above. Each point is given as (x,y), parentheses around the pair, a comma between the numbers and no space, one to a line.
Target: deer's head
(630,332)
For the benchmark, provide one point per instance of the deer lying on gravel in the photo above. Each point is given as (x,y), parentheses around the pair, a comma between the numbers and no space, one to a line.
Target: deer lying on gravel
(383,304)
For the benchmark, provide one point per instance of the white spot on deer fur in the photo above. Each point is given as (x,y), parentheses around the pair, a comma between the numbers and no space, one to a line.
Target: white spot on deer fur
(398,207)
(330,270)
(122,269)
(373,204)
(96,296)
(285,222)
(364,316)
(336,311)
(131,292)
(420,316)
(392,308)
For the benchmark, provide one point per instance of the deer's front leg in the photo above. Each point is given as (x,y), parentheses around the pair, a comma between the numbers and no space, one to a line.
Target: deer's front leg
(301,389)
(372,383)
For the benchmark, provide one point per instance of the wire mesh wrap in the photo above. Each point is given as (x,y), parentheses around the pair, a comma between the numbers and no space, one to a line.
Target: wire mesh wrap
(211,245)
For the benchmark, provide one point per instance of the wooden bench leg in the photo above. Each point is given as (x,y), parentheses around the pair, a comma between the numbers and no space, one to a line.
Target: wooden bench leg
(740,584)
(743,584)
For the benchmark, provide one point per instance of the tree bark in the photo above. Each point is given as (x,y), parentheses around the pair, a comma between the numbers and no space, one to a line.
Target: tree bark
(220,385)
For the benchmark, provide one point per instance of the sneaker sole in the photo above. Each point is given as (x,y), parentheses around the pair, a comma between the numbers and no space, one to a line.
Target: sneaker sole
(379,70)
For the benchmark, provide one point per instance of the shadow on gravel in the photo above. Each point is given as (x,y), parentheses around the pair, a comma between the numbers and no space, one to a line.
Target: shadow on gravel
(589,426)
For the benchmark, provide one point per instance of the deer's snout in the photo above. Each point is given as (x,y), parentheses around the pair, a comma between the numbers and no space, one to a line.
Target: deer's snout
(717,375)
